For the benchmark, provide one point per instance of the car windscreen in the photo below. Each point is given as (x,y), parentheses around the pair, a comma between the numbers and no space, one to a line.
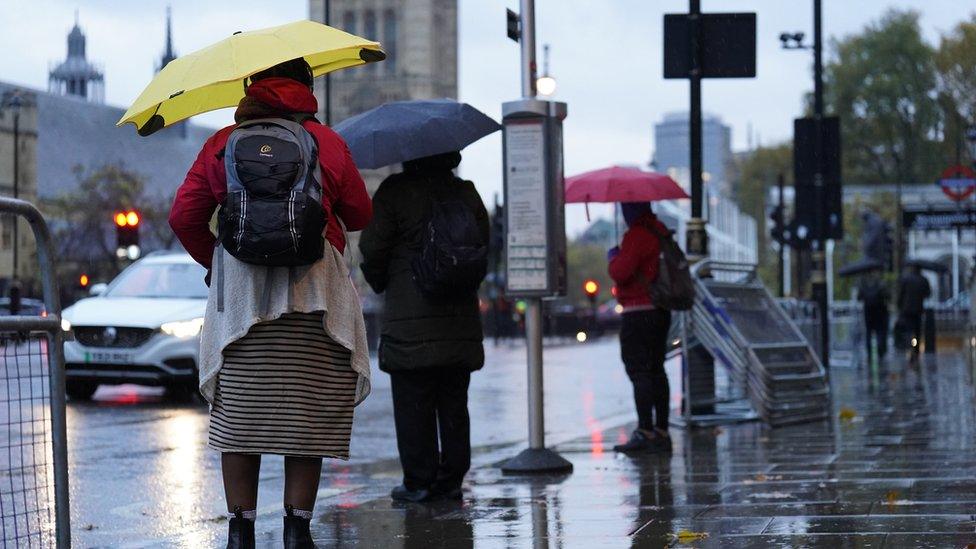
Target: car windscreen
(172,280)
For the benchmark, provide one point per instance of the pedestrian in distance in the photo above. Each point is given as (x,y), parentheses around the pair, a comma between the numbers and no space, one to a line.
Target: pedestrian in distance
(426,252)
(913,290)
(283,358)
(634,267)
(874,295)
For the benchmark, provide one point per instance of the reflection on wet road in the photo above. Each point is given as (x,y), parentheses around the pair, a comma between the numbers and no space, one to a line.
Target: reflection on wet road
(142,474)
(895,467)
(899,471)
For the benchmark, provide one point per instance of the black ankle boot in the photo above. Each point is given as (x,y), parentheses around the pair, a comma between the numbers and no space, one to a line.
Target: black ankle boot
(240,531)
(296,534)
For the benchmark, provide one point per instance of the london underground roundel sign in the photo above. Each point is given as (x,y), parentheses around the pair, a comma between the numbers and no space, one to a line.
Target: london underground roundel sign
(958,182)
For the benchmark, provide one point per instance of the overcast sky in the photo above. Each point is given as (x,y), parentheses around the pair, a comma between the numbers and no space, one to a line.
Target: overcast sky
(606,56)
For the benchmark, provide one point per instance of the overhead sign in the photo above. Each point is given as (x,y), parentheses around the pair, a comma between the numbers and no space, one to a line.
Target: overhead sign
(958,182)
(727,42)
(938,219)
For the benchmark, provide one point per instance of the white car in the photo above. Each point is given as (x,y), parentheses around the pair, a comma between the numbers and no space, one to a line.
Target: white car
(143,328)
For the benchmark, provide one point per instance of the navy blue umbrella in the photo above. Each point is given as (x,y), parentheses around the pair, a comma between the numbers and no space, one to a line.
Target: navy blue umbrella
(406,130)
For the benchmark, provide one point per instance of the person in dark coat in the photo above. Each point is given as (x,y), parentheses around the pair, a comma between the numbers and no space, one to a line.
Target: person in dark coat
(913,290)
(429,347)
(873,293)
(644,329)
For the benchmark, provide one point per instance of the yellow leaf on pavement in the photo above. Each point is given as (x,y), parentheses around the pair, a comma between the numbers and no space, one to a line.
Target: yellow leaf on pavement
(847,414)
(687,536)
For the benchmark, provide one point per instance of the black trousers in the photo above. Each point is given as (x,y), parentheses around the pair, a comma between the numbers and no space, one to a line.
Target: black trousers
(643,346)
(876,326)
(426,403)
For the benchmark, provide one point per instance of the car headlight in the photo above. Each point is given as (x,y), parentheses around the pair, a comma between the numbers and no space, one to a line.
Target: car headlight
(65,325)
(183,329)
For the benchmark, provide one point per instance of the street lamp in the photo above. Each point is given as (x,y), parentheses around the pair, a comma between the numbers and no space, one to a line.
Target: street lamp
(12,101)
(545,84)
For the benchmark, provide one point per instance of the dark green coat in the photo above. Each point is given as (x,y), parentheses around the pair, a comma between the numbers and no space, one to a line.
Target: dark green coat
(417,332)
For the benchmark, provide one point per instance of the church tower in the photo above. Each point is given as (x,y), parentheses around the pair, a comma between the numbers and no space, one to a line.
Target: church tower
(420,38)
(76,76)
(168,53)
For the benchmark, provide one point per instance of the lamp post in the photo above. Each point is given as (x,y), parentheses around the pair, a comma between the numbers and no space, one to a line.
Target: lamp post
(13,102)
(546,84)
(818,274)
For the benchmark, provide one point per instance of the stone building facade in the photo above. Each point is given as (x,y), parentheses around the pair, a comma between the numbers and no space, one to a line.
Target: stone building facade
(420,38)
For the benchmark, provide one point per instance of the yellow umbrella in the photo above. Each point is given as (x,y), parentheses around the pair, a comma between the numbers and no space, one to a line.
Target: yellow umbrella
(213,78)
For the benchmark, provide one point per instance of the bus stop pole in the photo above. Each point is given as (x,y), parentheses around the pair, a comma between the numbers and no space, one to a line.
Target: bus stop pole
(533,336)
(537,458)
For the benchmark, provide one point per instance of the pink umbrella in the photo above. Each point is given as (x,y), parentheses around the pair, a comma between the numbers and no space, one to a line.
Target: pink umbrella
(617,184)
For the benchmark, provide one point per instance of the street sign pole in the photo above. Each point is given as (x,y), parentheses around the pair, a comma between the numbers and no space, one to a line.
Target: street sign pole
(818,275)
(535,232)
(696,238)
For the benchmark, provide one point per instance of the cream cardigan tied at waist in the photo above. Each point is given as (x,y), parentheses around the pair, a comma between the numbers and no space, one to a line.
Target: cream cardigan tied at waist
(253,294)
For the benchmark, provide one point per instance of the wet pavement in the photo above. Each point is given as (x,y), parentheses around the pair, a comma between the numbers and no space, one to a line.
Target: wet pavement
(142,475)
(895,467)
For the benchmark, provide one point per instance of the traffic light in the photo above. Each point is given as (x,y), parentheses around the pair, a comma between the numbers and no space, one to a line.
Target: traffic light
(83,281)
(592,289)
(127,234)
(776,224)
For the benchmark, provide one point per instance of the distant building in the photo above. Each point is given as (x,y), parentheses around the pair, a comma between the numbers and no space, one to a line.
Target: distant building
(77,76)
(68,131)
(420,38)
(672,145)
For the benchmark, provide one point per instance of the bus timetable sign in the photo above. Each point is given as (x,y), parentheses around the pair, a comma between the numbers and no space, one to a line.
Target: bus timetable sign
(958,182)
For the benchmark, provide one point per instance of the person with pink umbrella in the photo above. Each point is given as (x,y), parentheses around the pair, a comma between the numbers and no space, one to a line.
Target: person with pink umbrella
(634,267)
(644,329)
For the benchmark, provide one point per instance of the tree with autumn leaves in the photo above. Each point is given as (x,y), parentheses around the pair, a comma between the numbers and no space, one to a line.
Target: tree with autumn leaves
(904,106)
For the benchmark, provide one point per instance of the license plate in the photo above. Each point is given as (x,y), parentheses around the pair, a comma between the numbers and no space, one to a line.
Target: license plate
(108,357)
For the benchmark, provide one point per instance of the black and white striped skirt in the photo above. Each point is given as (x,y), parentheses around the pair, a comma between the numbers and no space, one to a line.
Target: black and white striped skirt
(285,388)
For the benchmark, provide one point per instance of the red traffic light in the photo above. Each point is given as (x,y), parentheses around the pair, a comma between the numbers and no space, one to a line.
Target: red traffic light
(591,287)
(127,219)
(83,281)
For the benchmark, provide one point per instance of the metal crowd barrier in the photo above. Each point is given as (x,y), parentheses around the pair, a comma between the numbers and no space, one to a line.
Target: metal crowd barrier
(34,508)
(740,325)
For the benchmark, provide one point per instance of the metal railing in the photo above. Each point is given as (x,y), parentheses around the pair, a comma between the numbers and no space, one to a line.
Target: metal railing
(34,507)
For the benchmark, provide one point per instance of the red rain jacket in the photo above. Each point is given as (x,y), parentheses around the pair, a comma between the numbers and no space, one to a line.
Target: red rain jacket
(344,193)
(636,266)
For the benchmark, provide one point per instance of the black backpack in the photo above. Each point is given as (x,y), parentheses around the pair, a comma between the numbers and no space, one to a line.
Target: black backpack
(273,213)
(673,289)
(453,256)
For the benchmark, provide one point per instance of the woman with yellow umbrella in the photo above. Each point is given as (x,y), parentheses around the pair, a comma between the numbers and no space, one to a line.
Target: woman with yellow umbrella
(283,358)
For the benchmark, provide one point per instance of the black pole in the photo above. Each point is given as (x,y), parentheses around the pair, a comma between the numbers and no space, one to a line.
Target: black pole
(697,237)
(819,274)
(328,76)
(782,245)
(16,188)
